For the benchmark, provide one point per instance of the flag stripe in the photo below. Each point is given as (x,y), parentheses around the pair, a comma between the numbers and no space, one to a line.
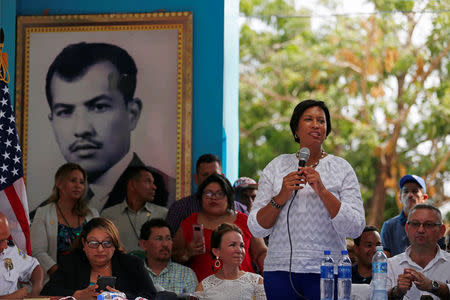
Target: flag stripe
(12,186)
(16,231)
(19,211)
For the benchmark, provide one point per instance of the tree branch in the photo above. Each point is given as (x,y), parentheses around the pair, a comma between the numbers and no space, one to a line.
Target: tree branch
(268,92)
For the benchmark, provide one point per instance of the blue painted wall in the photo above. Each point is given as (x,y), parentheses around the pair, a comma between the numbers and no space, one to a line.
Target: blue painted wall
(8,23)
(215,62)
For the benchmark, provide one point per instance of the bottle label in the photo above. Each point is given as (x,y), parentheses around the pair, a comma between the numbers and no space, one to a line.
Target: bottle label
(379,267)
(345,272)
(327,272)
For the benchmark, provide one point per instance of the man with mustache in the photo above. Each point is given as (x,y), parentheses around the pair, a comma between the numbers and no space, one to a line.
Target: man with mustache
(90,90)
(137,208)
(156,241)
(423,269)
(393,236)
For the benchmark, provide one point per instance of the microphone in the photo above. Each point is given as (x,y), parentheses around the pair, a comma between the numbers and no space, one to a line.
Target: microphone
(303,157)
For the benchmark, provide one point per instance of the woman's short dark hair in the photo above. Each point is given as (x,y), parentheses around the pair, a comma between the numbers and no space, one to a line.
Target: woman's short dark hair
(300,109)
(100,223)
(219,232)
(224,184)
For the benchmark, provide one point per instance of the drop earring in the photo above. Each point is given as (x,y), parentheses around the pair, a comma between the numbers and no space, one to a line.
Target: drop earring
(218,263)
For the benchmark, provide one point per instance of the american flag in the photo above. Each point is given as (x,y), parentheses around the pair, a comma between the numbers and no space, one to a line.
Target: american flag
(13,196)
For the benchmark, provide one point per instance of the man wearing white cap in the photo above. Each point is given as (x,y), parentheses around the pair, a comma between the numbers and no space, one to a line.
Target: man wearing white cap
(412,192)
(245,192)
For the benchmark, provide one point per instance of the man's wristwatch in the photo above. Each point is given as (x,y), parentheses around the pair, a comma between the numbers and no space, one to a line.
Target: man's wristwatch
(434,286)
(396,293)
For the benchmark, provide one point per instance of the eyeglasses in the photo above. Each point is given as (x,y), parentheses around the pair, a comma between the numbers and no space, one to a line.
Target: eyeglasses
(218,195)
(426,225)
(95,244)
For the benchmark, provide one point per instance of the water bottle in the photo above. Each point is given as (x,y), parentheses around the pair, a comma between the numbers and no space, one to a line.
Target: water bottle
(327,277)
(344,285)
(111,296)
(379,275)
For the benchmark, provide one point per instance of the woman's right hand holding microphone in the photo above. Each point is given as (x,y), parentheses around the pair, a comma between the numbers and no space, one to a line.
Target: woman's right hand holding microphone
(292,182)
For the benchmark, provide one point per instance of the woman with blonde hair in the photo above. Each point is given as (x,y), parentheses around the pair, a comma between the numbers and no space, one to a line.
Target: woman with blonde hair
(57,224)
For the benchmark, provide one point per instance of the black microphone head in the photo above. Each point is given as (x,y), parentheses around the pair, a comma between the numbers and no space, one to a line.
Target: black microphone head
(303,156)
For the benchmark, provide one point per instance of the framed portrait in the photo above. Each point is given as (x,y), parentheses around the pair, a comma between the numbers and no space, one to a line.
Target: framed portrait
(66,115)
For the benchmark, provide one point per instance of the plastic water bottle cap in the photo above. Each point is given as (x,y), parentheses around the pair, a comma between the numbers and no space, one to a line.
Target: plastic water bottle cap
(327,252)
(379,248)
(344,252)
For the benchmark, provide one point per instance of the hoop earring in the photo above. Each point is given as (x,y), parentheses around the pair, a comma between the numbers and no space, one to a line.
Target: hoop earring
(295,136)
(218,263)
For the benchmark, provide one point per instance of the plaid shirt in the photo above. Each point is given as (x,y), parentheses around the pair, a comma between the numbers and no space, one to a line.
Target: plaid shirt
(175,278)
(180,210)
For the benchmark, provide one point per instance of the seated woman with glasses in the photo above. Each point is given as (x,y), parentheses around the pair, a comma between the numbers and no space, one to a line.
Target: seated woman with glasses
(98,252)
(217,203)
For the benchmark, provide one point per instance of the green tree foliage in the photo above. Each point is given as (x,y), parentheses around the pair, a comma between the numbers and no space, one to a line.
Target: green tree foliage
(388,95)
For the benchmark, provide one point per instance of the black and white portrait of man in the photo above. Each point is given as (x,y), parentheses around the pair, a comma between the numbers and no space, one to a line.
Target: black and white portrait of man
(90,91)
(104,103)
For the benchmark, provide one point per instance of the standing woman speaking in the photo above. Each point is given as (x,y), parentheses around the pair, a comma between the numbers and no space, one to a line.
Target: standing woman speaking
(321,201)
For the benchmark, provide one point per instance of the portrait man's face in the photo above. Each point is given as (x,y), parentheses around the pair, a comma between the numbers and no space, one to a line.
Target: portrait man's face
(90,119)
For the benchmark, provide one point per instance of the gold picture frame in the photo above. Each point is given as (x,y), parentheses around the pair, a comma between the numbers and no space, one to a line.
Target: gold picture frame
(161,45)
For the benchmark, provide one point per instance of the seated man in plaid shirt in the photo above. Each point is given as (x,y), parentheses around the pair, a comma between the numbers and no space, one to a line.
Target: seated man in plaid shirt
(156,240)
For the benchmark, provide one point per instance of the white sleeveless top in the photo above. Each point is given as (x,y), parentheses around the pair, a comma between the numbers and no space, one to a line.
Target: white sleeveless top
(245,287)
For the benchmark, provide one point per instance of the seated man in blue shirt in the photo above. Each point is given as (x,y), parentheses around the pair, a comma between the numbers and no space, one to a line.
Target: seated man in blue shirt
(156,240)
(365,248)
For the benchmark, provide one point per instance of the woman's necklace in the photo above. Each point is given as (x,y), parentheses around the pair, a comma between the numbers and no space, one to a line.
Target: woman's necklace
(221,275)
(103,271)
(64,218)
(314,165)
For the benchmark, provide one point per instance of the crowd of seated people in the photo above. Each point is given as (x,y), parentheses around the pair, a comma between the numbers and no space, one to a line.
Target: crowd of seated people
(73,247)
